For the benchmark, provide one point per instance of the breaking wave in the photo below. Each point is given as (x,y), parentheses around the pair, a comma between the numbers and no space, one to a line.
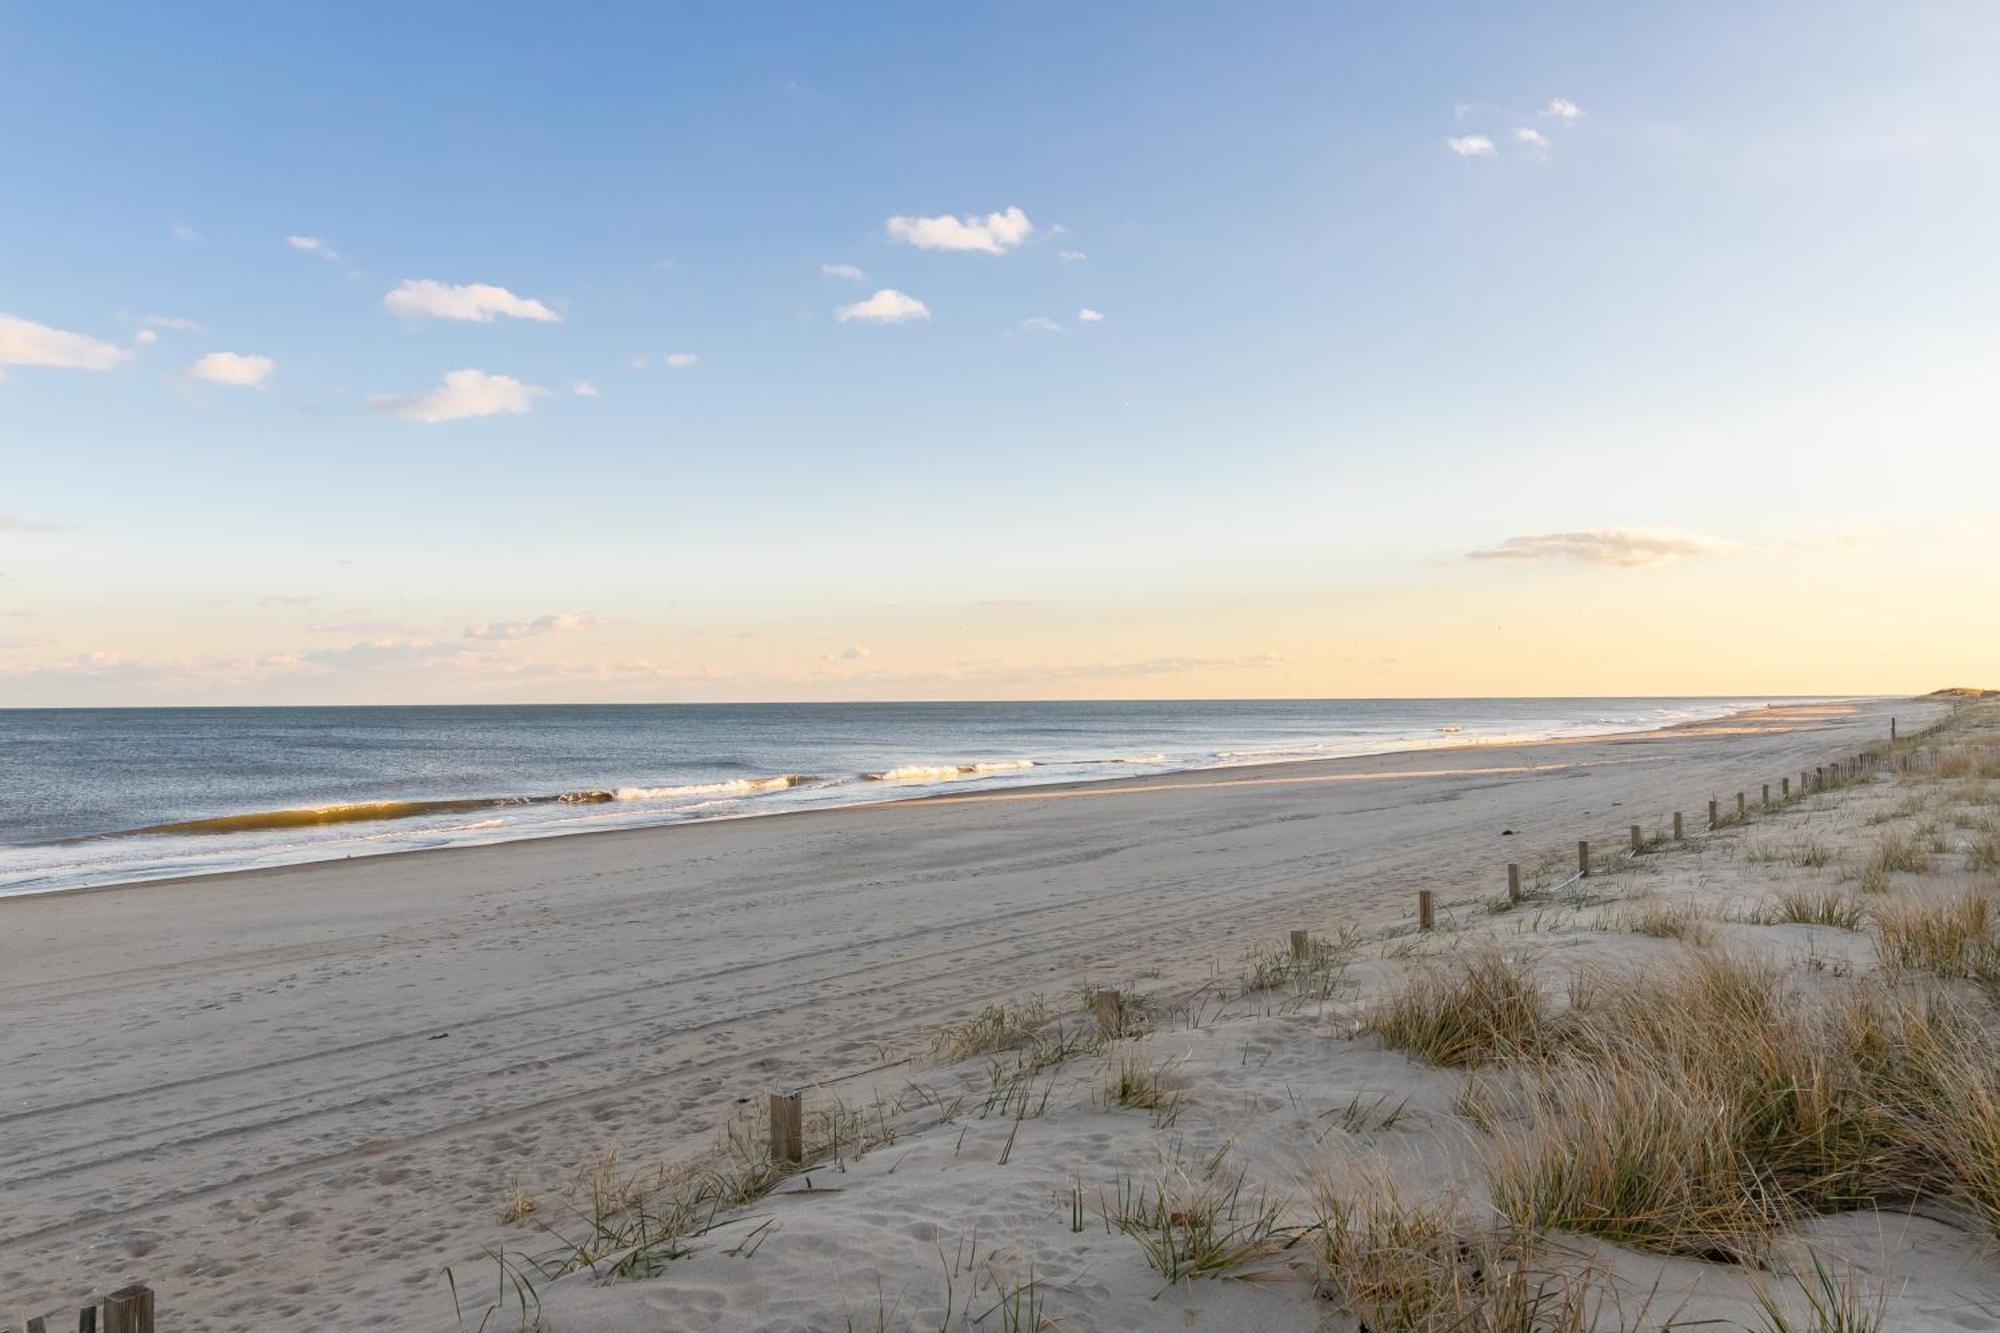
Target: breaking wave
(733,787)
(945,772)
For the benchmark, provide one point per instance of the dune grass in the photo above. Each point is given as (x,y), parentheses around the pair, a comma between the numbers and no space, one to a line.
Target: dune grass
(1485,1007)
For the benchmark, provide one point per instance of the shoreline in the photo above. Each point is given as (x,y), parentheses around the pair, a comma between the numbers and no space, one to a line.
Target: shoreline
(1242,774)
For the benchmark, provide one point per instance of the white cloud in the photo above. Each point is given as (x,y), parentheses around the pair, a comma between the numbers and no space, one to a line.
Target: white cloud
(464,393)
(1072,256)
(848,271)
(501,631)
(147,336)
(1563,109)
(1469,145)
(1534,139)
(681,360)
(479,302)
(887,306)
(1041,324)
(993,234)
(313,245)
(641,361)
(1089,316)
(1623,548)
(583,389)
(233,368)
(26,343)
(172,323)
(186,235)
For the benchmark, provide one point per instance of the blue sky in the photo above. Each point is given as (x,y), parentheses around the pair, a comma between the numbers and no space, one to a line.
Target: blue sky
(1711,319)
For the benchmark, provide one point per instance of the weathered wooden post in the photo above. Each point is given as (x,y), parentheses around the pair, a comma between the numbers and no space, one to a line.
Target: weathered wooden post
(1767,796)
(788,1128)
(1110,1014)
(1892,728)
(1819,778)
(1583,858)
(1784,789)
(1513,882)
(1426,910)
(1677,826)
(1742,807)
(1638,838)
(1714,816)
(129,1310)
(1301,946)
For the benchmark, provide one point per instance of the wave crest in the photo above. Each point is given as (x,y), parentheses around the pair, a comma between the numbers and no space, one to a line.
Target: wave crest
(945,772)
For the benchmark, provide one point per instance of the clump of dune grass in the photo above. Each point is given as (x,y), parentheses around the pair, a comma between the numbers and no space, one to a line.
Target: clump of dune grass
(1982,854)
(1661,919)
(1822,1302)
(1815,907)
(1809,853)
(1399,1265)
(1950,938)
(1484,1006)
(1899,853)
(517,1203)
(1695,1111)
(1200,1221)
(1136,1084)
(997,1027)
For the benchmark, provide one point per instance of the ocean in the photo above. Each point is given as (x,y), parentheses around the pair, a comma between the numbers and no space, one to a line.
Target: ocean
(103,796)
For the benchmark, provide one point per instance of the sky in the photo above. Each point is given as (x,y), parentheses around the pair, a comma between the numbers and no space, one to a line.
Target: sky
(385,353)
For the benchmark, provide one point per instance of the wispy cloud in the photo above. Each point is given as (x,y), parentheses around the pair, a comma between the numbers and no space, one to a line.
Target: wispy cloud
(313,245)
(15,523)
(848,271)
(1623,548)
(1041,324)
(464,393)
(1089,316)
(233,368)
(1469,145)
(681,360)
(994,234)
(186,234)
(26,343)
(1536,141)
(545,626)
(477,302)
(1071,256)
(172,323)
(887,306)
(583,389)
(1564,109)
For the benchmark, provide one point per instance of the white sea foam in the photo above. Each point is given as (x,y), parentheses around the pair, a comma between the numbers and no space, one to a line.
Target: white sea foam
(732,787)
(946,772)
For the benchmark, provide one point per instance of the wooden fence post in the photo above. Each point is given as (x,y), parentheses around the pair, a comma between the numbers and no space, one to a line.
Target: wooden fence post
(1784,789)
(1426,910)
(1892,728)
(1583,858)
(788,1128)
(1767,796)
(129,1310)
(1301,946)
(1110,1014)
(1742,807)
(1714,819)
(1638,839)
(1677,826)
(1513,882)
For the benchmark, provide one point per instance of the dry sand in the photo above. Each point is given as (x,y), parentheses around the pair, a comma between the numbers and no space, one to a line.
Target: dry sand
(296,1095)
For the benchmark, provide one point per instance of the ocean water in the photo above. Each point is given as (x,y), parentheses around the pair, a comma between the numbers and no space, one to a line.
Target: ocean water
(99,796)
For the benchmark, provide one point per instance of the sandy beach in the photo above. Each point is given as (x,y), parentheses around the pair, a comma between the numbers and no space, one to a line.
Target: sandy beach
(306,1091)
